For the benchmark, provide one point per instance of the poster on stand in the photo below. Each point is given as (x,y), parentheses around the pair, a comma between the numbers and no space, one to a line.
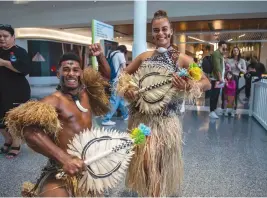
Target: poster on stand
(101,31)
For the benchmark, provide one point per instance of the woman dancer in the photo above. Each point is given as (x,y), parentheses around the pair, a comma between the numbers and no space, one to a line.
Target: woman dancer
(157,168)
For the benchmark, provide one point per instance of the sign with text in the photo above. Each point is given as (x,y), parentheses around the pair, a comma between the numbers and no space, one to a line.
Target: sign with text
(100,31)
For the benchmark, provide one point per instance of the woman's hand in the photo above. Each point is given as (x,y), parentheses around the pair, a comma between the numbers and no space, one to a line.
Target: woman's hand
(2,62)
(130,95)
(179,83)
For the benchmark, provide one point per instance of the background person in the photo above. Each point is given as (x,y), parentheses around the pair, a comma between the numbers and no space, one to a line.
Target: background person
(14,88)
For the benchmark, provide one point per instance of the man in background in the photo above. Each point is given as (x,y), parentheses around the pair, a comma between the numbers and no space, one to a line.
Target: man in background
(117,63)
(217,79)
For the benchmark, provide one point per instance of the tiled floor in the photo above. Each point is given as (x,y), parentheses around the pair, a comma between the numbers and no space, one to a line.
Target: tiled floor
(227,157)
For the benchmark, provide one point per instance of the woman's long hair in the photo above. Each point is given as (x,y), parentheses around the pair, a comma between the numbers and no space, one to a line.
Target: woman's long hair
(239,54)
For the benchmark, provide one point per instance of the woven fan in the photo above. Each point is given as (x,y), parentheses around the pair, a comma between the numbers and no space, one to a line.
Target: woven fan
(106,153)
(154,86)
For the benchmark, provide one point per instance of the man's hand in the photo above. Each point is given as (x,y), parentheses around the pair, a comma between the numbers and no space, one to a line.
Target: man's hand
(73,166)
(95,49)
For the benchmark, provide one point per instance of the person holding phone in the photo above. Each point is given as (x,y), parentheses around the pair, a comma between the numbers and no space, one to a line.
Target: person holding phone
(217,79)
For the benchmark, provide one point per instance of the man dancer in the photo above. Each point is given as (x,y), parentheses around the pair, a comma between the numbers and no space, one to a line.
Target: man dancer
(80,94)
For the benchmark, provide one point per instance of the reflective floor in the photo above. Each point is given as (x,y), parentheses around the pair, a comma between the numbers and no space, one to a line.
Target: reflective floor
(226,157)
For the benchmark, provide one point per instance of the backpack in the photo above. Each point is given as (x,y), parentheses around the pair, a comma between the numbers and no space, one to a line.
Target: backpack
(207,66)
(113,73)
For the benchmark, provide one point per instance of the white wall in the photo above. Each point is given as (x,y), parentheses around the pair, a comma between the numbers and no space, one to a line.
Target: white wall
(123,13)
(37,81)
(22,43)
(263,55)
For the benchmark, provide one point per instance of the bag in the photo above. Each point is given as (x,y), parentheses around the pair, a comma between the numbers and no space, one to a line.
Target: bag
(113,72)
(207,66)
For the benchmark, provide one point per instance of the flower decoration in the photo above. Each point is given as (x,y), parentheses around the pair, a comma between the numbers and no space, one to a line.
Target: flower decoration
(182,73)
(194,71)
(146,130)
(139,134)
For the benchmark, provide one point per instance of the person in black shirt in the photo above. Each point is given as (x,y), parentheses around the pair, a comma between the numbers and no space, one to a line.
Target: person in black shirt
(14,87)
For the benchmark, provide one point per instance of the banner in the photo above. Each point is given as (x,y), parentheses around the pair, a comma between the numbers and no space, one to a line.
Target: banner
(100,31)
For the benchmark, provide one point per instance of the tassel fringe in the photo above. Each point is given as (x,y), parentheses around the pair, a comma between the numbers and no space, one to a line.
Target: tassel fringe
(95,86)
(33,113)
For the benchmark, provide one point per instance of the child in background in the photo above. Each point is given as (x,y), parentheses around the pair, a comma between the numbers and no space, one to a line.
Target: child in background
(229,93)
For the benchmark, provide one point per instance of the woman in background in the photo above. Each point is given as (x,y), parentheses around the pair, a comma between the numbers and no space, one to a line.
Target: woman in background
(237,66)
(14,87)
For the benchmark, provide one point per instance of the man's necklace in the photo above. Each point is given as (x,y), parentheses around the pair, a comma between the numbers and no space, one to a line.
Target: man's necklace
(76,99)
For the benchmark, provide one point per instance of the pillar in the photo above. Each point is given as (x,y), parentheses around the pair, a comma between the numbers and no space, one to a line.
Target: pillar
(182,44)
(140,24)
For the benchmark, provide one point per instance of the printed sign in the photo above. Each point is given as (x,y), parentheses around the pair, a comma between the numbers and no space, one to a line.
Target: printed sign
(101,31)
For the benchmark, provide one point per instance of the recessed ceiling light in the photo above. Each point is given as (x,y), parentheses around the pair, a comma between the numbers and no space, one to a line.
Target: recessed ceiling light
(54,6)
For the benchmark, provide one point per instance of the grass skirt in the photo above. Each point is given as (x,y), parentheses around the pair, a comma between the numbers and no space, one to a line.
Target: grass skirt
(159,161)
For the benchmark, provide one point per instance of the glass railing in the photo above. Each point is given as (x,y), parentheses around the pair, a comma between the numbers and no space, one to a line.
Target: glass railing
(258,102)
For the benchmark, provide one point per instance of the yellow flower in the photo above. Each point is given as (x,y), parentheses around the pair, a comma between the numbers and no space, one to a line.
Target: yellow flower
(195,73)
(135,133)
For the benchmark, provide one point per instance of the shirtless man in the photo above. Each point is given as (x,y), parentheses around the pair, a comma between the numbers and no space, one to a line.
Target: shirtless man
(73,120)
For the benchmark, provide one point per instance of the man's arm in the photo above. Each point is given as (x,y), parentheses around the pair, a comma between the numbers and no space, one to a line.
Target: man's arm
(216,66)
(41,143)
(122,61)
(104,68)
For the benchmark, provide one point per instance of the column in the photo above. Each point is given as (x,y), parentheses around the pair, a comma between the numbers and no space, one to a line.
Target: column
(182,44)
(140,23)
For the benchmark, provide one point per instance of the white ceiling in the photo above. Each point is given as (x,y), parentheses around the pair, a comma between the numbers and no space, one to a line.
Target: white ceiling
(80,13)
(122,39)
(34,6)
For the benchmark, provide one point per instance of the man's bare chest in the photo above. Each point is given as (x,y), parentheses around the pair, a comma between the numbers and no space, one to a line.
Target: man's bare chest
(71,114)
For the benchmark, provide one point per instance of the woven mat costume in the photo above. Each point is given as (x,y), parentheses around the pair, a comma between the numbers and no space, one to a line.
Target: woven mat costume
(159,161)
(35,113)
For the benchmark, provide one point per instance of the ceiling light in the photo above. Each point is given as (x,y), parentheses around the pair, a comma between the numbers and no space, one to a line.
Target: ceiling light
(50,34)
(196,38)
(20,2)
(229,40)
(242,35)
(199,39)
